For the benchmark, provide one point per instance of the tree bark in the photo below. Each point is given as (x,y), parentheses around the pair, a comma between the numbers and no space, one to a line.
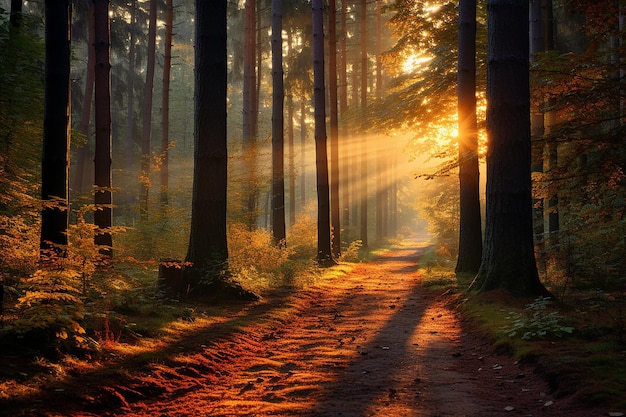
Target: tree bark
(334,130)
(470,232)
(324,254)
(364,155)
(278,133)
(165,116)
(508,260)
(147,110)
(102,162)
(208,250)
(56,133)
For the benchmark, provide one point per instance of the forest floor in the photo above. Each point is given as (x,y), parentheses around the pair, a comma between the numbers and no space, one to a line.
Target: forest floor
(371,342)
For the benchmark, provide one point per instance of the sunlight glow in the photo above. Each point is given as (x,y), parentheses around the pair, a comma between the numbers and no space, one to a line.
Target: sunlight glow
(414,62)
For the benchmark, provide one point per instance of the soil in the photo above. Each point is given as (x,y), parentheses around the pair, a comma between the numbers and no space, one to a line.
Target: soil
(373,342)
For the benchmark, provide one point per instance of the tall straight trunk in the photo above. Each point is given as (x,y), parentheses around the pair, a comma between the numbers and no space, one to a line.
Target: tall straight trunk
(334,130)
(364,155)
(249,71)
(208,249)
(508,260)
(324,254)
(278,121)
(537,131)
(83,127)
(56,133)
(249,139)
(290,140)
(470,231)
(165,116)
(130,94)
(550,121)
(381,217)
(103,216)
(303,104)
(345,148)
(147,110)
(292,161)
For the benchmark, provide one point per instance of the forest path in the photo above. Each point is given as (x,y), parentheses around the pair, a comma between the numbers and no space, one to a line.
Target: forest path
(372,342)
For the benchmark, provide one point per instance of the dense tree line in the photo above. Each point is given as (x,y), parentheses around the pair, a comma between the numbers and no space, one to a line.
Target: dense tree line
(544,95)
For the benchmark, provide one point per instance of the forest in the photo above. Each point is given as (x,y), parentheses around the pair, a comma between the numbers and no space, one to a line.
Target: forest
(251,207)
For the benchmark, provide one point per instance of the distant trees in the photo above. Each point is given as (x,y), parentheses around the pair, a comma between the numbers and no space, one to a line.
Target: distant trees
(56,142)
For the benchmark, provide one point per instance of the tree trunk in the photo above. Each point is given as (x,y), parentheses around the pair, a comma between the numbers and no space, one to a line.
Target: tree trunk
(130,94)
(334,131)
(508,260)
(278,132)
(16,13)
(85,118)
(208,250)
(364,155)
(147,110)
(56,134)
(302,154)
(470,232)
(165,120)
(251,191)
(346,148)
(102,162)
(324,255)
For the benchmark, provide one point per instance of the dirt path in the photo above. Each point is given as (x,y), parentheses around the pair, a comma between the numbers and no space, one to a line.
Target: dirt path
(371,343)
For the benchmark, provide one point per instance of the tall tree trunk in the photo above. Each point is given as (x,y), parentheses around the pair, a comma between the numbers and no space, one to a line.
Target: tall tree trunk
(334,130)
(56,133)
(278,131)
(508,260)
(208,250)
(381,218)
(165,117)
(251,191)
(345,148)
(303,104)
(470,232)
(147,110)
(292,161)
(85,118)
(364,155)
(103,215)
(550,121)
(130,94)
(324,254)
(537,130)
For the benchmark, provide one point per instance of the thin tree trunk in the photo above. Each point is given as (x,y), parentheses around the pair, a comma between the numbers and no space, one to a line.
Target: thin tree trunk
(302,154)
(364,155)
(165,121)
(130,93)
(334,131)
(16,13)
(147,110)
(470,231)
(56,133)
(85,118)
(345,148)
(278,121)
(102,162)
(324,254)
(381,217)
